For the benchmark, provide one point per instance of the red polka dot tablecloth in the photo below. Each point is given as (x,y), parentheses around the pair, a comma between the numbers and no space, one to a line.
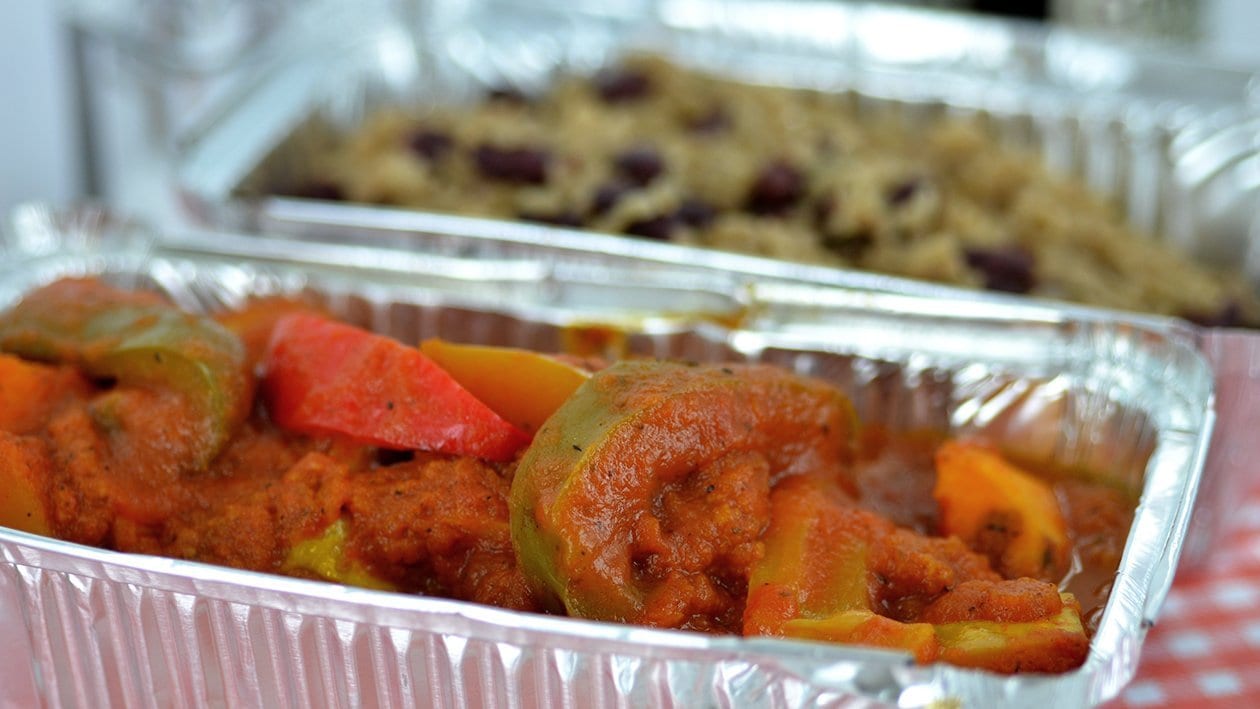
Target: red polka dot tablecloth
(1204,650)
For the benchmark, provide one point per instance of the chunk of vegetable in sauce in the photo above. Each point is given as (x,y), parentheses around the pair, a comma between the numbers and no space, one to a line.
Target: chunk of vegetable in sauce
(644,496)
(812,582)
(1000,510)
(30,391)
(522,386)
(325,557)
(325,377)
(1055,644)
(24,499)
(139,341)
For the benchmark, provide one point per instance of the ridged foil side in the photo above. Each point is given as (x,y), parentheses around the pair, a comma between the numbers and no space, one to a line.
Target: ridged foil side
(155,638)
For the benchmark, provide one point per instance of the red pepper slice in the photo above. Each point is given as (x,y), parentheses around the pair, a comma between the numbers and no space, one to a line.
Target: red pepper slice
(325,377)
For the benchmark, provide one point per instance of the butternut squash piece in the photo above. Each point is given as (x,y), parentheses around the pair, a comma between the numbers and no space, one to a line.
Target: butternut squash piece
(29,390)
(1000,510)
(24,469)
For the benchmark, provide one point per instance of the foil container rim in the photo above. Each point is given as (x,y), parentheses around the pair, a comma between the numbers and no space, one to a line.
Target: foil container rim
(774,274)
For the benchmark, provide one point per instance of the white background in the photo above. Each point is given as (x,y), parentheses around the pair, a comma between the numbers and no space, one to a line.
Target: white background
(39,144)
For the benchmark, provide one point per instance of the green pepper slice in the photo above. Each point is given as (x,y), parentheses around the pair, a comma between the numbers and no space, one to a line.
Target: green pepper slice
(811,583)
(138,340)
(1054,644)
(590,519)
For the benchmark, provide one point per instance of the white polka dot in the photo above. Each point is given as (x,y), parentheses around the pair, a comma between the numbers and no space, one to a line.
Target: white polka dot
(1173,605)
(1232,558)
(1235,595)
(1216,684)
(1251,632)
(1144,693)
(1189,644)
(1249,517)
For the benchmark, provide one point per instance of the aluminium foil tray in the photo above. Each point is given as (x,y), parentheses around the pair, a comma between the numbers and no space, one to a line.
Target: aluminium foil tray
(1113,395)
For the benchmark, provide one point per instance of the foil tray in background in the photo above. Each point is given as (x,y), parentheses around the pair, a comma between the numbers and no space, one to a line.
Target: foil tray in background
(99,626)
(1169,137)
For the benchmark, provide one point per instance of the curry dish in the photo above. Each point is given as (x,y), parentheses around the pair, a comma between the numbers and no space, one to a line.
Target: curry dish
(720,498)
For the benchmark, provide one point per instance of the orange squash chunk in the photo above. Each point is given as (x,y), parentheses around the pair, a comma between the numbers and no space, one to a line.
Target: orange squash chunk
(30,390)
(1000,510)
(24,470)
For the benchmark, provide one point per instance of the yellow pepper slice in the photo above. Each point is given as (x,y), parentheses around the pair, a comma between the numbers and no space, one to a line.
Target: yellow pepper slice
(523,387)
